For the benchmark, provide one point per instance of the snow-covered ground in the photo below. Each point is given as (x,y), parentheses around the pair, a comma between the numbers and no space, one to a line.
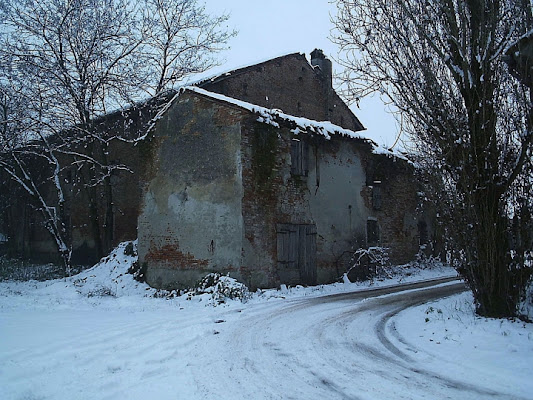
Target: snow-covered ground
(102,335)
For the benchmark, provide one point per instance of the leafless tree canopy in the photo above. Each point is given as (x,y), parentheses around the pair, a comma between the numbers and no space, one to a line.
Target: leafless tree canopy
(66,63)
(84,56)
(468,120)
(182,39)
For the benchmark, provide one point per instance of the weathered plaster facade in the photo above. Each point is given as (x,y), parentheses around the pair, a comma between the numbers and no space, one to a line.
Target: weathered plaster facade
(224,196)
(191,218)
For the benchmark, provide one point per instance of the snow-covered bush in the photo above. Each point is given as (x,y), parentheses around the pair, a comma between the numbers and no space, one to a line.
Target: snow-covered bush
(424,261)
(102,291)
(369,263)
(221,288)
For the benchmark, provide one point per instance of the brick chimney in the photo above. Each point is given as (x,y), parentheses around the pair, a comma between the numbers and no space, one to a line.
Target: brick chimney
(318,59)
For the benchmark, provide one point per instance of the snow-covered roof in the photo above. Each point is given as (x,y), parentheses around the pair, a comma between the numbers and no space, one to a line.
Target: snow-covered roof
(301,125)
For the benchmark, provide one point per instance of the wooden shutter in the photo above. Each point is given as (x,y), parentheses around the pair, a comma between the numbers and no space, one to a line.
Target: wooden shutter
(299,157)
(307,254)
(287,246)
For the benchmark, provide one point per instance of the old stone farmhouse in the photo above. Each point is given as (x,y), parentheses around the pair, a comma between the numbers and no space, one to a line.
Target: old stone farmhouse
(261,173)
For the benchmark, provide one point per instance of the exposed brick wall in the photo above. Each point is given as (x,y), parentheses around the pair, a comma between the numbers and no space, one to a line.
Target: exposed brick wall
(125,187)
(271,197)
(288,83)
(172,257)
(32,240)
(398,215)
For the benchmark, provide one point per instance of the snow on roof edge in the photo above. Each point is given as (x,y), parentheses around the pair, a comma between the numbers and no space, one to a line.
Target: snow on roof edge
(271,116)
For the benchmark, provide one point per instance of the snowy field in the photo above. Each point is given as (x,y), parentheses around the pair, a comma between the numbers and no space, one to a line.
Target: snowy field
(102,335)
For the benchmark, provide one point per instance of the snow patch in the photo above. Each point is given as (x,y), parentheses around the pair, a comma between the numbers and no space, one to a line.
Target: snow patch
(101,334)
(453,341)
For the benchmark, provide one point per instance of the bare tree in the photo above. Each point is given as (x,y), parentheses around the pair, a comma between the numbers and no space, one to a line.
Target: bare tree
(73,61)
(182,39)
(70,59)
(30,160)
(440,63)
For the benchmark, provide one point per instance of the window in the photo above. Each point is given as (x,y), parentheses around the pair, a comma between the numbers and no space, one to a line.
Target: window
(299,157)
(376,195)
(372,232)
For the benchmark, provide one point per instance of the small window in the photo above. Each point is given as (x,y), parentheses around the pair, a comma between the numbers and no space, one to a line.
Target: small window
(372,232)
(376,195)
(422,233)
(299,157)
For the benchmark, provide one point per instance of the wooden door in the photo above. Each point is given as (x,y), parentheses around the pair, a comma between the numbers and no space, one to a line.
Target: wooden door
(296,245)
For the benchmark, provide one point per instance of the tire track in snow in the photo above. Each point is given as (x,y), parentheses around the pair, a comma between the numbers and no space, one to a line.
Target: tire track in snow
(334,347)
(395,364)
(386,327)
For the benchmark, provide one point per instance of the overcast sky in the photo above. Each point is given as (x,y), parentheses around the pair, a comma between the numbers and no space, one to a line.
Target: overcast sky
(270,28)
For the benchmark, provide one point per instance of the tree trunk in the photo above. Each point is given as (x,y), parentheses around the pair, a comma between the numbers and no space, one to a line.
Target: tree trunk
(495,290)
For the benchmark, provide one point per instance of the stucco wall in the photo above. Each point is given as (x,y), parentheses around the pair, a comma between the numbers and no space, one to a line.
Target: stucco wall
(336,204)
(191,222)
